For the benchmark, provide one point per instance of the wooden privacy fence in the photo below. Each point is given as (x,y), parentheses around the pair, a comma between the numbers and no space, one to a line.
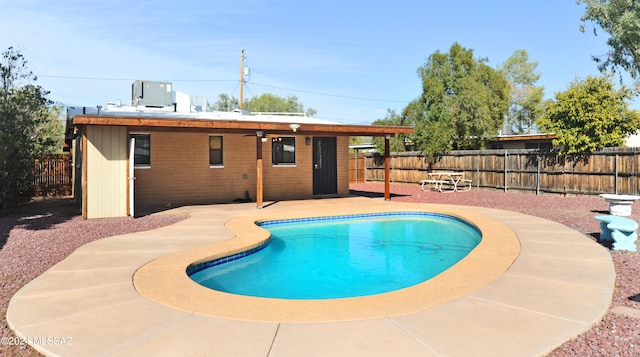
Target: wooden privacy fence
(52,175)
(356,168)
(608,171)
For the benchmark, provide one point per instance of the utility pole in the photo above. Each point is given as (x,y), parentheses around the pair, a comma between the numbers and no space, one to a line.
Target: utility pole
(241,78)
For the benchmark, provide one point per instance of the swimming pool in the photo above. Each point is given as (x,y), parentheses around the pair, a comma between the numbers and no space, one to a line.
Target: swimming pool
(166,282)
(342,256)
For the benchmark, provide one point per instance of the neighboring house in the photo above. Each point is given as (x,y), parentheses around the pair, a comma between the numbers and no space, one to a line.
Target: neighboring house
(633,140)
(524,141)
(133,159)
(542,141)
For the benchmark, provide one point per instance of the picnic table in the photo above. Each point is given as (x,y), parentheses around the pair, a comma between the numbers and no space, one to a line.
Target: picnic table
(450,179)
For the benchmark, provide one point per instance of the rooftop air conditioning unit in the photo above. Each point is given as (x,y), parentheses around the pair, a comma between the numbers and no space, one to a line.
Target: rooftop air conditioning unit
(151,94)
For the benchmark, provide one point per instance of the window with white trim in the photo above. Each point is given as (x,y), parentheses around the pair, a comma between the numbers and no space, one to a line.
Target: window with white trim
(215,151)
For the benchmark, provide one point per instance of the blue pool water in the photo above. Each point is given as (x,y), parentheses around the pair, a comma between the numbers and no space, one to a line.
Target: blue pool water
(346,256)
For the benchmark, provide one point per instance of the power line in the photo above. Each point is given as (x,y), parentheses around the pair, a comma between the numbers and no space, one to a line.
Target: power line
(331,95)
(132,79)
(227,80)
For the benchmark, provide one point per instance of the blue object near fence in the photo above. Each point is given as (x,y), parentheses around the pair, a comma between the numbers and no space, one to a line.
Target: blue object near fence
(619,230)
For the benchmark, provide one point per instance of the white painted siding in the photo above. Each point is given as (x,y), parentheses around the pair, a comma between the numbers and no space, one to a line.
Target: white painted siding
(106,171)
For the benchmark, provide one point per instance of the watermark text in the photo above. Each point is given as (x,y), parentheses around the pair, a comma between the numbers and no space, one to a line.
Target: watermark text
(40,340)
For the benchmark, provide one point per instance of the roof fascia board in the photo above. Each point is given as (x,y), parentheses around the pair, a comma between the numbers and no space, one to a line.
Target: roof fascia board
(241,126)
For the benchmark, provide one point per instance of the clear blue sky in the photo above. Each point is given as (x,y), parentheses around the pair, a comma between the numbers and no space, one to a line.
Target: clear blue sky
(350,60)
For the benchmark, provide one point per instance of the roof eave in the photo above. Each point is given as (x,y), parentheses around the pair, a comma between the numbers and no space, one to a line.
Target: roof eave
(240,126)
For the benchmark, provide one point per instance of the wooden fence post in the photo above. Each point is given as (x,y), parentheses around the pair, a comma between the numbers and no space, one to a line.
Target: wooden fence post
(615,180)
(538,175)
(505,171)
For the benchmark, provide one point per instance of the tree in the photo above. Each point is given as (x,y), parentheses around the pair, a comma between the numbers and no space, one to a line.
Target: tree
(463,102)
(621,20)
(526,98)
(27,126)
(225,103)
(272,103)
(591,114)
(48,131)
(396,143)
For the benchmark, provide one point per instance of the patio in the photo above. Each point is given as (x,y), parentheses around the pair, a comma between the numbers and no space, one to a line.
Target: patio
(560,285)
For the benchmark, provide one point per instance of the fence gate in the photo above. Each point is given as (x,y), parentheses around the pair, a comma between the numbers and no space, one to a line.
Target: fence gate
(52,175)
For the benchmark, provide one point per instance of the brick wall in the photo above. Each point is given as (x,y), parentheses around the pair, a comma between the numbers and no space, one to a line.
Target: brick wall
(342,151)
(180,171)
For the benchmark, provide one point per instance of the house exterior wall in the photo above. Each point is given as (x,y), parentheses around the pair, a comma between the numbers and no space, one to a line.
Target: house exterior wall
(287,181)
(180,173)
(291,182)
(106,171)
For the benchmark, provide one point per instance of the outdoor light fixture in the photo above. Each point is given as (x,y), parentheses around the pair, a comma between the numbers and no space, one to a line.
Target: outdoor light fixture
(294,127)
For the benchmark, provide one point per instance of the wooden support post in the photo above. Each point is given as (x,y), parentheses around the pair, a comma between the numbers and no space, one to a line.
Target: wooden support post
(85,174)
(387,169)
(259,169)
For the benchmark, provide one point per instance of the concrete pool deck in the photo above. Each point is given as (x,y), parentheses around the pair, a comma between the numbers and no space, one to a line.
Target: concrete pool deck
(559,285)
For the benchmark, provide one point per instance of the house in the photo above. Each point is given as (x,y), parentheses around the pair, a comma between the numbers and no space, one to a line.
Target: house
(524,141)
(131,159)
(542,141)
(633,140)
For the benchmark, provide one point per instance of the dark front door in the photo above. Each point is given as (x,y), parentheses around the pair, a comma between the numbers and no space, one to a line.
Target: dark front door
(325,173)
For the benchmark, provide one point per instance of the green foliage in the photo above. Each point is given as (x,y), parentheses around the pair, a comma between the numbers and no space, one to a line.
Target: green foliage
(275,104)
(432,137)
(27,126)
(48,133)
(591,114)
(526,98)
(463,102)
(225,103)
(268,103)
(621,20)
(396,143)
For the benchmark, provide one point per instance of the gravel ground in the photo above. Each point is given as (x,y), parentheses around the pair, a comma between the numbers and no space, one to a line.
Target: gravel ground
(42,233)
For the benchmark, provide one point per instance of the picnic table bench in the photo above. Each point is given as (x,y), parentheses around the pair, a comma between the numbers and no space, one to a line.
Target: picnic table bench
(619,230)
(439,180)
